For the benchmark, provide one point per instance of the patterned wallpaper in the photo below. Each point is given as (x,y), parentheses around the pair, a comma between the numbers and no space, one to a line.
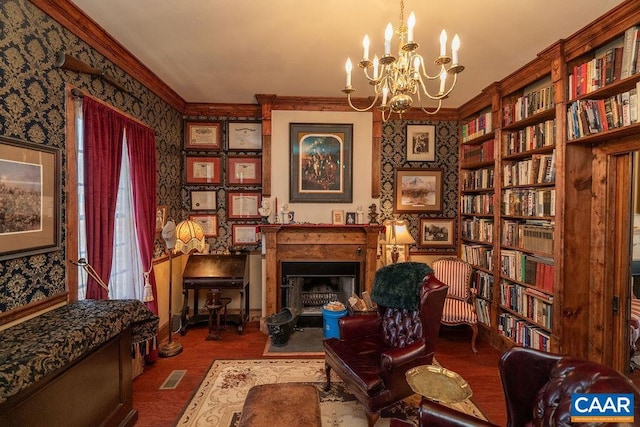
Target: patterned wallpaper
(32,108)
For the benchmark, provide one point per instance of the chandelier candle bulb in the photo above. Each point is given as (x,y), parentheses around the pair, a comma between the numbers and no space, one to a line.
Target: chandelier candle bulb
(443,43)
(348,67)
(388,33)
(416,67)
(384,96)
(443,79)
(365,44)
(411,22)
(455,45)
(376,62)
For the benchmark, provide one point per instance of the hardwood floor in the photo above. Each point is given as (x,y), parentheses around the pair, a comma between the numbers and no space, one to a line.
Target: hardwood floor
(159,408)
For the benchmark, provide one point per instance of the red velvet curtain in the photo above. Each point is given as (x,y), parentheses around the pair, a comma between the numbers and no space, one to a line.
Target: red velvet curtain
(141,146)
(103,133)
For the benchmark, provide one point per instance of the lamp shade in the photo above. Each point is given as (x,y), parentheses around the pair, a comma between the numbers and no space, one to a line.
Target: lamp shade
(189,236)
(397,233)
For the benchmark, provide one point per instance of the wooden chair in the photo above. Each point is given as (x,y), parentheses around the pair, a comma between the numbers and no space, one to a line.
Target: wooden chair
(459,306)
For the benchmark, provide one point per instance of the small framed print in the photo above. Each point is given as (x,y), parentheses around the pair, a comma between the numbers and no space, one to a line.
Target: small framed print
(202,136)
(421,143)
(209,224)
(436,232)
(244,234)
(203,170)
(245,136)
(243,205)
(244,170)
(203,200)
(350,218)
(161,217)
(418,190)
(402,254)
(337,216)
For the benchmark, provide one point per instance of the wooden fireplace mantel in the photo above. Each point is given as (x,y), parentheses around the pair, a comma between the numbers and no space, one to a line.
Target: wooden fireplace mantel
(317,242)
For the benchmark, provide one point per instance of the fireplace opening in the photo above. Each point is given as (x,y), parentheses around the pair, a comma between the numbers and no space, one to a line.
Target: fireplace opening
(307,286)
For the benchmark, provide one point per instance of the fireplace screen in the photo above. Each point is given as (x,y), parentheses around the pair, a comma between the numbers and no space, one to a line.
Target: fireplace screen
(307,286)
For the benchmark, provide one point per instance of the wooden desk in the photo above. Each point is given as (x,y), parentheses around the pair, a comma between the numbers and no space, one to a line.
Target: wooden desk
(215,272)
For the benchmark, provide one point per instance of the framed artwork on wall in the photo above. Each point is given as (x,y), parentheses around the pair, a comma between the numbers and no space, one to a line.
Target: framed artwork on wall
(244,170)
(29,198)
(161,217)
(209,223)
(202,136)
(203,170)
(421,143)
(436,232)
(202,200)
(243,205)
(418,190)
(245,136)
(244,234)
(321,158)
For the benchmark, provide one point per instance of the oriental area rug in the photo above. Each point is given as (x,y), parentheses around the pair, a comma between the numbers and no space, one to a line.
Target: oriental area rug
(219,399)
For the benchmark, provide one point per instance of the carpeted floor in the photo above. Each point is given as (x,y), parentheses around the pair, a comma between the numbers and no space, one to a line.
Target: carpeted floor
(219,399)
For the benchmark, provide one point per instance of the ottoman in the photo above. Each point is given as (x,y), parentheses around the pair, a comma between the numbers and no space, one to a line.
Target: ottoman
(284,404)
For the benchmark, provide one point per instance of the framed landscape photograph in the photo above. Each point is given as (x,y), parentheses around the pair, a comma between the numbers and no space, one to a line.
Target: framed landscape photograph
(29,198)
(244,234)
(436,232)
(243,205)
(244,170)
(421,143)
(203,200)
(202,136)
(203,170)
(209,223)
(321,163)
(245,136)
(418,190)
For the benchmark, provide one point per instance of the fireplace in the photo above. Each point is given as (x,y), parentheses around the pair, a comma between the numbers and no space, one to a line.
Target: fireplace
(307,286)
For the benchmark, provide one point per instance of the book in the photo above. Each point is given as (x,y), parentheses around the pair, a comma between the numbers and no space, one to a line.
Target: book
(628,51)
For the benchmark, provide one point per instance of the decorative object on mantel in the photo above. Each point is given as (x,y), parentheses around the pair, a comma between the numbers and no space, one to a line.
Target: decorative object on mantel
(265,210)
(185,237)
(396,233)
(402,77)
(373,214)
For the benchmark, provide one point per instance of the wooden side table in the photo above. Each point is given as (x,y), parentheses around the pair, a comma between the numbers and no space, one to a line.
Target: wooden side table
(217,306)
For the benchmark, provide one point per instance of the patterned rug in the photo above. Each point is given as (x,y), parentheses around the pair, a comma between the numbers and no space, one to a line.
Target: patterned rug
(219,399)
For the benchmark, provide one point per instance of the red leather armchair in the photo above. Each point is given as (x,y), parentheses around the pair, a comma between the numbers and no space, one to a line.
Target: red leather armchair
(374,351)
(537,388)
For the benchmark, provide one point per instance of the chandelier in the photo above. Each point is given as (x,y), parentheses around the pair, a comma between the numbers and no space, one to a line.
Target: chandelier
(397,79)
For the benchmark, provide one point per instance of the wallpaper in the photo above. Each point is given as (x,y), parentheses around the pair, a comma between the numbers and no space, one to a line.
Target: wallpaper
(32,108)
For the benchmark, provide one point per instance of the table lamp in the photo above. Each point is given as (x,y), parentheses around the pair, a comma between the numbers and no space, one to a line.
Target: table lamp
(185,237)
(397,233)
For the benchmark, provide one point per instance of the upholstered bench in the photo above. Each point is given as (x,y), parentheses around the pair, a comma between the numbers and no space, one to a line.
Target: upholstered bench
(284,404)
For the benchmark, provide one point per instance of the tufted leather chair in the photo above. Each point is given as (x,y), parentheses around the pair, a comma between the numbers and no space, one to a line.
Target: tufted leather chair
(374,351)
(537,388)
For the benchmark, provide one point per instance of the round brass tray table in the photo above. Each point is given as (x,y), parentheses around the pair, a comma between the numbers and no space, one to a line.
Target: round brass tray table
(438,384)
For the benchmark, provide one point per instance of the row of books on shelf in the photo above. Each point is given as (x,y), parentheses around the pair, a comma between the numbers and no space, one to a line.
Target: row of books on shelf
(483,310)
(523,333)
(539,169)
(613,62)
(589,116)
(530,138)
(477,127)
(482,282)
(527,302)
(531,103)
(480,229)
(477,204)
(478,153)
(478,179)
(530,269)
(478,255)
(535,237)
(529,202)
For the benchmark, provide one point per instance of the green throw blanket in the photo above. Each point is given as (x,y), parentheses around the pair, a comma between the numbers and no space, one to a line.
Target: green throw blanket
(398,285)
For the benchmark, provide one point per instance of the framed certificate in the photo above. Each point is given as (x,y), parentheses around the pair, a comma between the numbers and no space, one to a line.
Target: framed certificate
(202,136)
(244,170)
(245,136)
(203,170)
(203,200)
(243,205)
(244,234)
(209,224)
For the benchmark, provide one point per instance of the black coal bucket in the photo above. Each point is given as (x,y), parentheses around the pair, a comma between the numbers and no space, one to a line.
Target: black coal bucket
(280,326)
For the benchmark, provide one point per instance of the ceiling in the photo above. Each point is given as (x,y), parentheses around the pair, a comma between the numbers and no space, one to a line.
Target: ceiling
(227,51)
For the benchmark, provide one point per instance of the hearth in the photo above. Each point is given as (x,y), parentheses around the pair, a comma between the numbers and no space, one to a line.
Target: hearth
(307,286)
